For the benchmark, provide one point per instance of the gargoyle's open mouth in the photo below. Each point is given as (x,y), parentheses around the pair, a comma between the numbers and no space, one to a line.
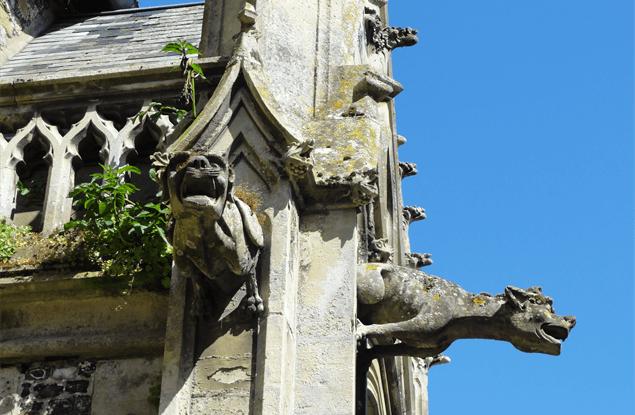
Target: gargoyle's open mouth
(199,190)
(553,333)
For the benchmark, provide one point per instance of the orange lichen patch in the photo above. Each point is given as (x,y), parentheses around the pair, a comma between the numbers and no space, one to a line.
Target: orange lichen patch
(18,262)
(251,197)
(479,301)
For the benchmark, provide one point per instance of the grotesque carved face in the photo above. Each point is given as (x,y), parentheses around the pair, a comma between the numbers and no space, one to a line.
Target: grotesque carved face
(199,183)
(538,328)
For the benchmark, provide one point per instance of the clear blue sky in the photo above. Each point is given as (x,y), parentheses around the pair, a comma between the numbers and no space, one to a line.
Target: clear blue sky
(519,115)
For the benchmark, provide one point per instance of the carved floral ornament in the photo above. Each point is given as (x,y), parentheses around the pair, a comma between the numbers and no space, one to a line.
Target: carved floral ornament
(386,38)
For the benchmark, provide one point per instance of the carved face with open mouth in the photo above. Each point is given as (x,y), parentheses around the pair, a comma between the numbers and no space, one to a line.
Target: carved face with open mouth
(200,182)
(539,329)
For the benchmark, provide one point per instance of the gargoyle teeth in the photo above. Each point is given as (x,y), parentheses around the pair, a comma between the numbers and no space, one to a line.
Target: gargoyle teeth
(553,333)
(199,187)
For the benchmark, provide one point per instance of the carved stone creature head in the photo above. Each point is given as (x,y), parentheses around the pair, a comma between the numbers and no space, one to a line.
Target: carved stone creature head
(537,328)
(199,184)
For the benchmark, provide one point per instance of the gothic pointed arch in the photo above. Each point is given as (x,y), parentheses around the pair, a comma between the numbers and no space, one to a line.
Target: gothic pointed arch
(92,126)
(37,129)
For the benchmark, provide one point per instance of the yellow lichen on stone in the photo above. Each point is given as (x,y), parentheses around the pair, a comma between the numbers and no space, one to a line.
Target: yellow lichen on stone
(479,301)
(436,296)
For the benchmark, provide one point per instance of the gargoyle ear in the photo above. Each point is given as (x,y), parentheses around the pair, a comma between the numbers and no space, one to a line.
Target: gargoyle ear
(512,294)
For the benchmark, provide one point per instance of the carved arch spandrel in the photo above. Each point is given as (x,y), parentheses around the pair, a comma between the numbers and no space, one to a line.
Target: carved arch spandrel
(104,131)
(12,153)
(124,143)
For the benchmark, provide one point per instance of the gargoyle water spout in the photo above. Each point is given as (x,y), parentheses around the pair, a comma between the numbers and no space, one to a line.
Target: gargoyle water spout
(427,313)
(215,235)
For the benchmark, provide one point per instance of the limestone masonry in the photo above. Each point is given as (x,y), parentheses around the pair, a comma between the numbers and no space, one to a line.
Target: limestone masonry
(293,289)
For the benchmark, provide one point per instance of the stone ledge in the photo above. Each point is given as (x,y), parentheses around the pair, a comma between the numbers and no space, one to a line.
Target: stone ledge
(102,82)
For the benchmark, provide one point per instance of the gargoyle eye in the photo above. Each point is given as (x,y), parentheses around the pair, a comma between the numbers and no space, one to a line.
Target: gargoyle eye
(216,162)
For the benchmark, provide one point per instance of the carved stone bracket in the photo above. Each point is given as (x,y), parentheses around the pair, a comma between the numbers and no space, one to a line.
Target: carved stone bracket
(386,37)
(407,169)
(378,249)
(298,160)
(413,214)
(416,260)
(424,364)
(364,187)
(377,86)
(360,186)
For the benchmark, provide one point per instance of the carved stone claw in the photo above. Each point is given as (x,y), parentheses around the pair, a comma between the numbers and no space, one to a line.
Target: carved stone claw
(255,304)
(360,331)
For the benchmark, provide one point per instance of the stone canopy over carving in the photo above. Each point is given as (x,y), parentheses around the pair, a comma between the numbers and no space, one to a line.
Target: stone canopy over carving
(427,313)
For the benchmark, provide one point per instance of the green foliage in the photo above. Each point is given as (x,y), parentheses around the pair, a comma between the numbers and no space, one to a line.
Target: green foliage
(190,71)
(159,110)
(23,190)
(125,239)
(155,394)
(9,236)
(35,194)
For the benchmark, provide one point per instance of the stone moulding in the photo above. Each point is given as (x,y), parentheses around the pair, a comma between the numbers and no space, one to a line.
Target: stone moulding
(148,78)
(330,189)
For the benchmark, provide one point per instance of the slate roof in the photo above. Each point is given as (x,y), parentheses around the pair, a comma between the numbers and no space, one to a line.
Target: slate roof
(109,41)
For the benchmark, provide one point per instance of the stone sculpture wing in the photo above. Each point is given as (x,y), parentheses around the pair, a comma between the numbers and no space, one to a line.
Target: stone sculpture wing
(252,227)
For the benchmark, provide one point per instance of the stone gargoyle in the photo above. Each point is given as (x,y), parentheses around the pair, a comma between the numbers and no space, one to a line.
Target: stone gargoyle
(427,313)
(215,236)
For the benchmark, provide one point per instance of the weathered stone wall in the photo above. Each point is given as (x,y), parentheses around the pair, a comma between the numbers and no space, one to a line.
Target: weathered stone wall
(81,387)
(22,20)
(303,106)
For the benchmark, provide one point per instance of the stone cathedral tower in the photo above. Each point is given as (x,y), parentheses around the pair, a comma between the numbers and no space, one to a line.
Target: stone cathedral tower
(285,193)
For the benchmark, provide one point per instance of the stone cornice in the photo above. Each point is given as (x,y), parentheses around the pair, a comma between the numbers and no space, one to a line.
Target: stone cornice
(99,83)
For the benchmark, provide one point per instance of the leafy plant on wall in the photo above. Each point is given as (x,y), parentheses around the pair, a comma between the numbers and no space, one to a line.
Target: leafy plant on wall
(190,71)
(10,238)
(125,239)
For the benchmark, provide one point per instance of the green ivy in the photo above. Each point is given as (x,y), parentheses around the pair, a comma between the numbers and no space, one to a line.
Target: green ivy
(125,239)
(9,236)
